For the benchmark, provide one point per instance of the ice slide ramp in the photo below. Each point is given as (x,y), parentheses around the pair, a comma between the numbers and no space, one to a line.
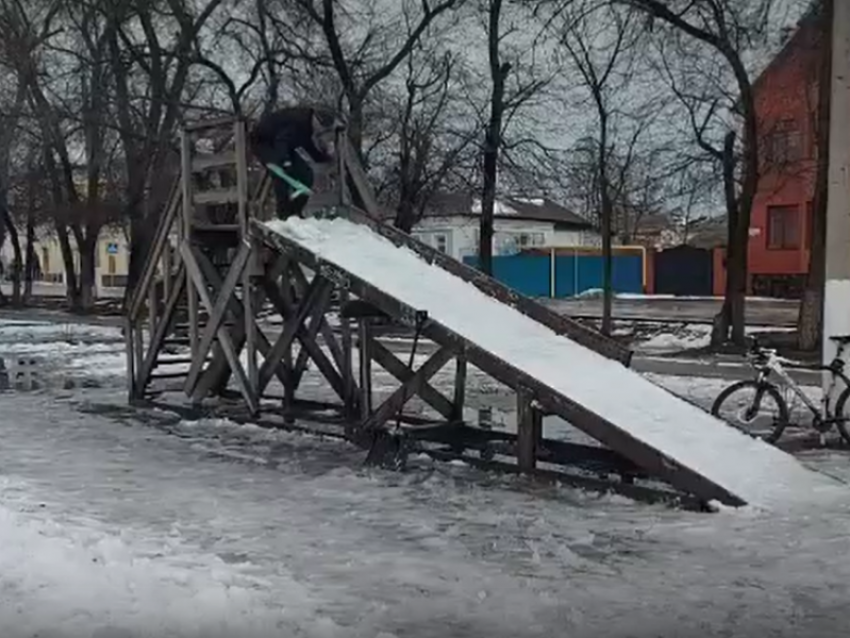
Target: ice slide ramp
(668,437)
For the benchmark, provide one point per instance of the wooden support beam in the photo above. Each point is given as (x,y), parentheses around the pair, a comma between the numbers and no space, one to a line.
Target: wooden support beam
(460,387)
(316,292)
(529,424)
(347,365)
(218,371)
(243,213)
(364,344)
(156,341)
(186,233)
(166,269)
(310,349)
(163,232)
(217,316)
(400,371)
(132,390)
(413,386)
(328,334)
(225,342)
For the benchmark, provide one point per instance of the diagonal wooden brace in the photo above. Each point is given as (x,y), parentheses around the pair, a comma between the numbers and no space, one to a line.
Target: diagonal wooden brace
(216,373)
(307,338)
(400,371)
(409,388)
(225,342)
(327,332)
(294,323)
(224,297)
(162,328)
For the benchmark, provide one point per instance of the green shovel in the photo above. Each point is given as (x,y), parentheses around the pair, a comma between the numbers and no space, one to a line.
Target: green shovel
(300,189)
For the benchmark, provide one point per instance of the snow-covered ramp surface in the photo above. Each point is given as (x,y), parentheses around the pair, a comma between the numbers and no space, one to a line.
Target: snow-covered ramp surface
(756,472)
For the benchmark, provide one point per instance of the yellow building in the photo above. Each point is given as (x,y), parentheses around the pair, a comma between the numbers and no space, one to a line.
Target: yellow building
(112,258)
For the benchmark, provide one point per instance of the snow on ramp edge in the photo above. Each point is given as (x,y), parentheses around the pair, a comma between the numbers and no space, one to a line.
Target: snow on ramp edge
(753,470)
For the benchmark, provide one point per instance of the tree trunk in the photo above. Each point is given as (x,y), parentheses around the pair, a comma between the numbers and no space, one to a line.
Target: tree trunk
(87,274)
(72,291)
(732,304)
(492,138)
(810,318)
(607,283)
(30,262)
(17,260)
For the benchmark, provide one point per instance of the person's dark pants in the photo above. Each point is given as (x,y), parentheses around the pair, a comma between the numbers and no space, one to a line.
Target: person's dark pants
(298,170)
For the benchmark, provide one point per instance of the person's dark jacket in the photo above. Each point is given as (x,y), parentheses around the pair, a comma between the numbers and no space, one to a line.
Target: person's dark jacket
(281,132)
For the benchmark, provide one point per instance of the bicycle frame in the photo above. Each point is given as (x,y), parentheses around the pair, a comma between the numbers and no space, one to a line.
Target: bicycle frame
(774,364)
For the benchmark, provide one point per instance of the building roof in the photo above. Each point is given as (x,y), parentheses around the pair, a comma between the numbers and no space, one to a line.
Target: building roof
(540,209)
(804,34)
(708,233)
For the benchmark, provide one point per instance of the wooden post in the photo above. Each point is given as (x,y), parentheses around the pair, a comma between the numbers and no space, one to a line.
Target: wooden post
(131,359)
(460,388)
(186,233)
(166,268)
(347,364)
(527,431)
(153,309)
(139,348)
(247,273)
(364,339)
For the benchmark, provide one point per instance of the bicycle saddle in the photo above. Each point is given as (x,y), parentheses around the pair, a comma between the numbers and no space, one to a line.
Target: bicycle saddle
(841,339)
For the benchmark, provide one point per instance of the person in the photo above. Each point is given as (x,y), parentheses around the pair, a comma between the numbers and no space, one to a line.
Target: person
(276,141)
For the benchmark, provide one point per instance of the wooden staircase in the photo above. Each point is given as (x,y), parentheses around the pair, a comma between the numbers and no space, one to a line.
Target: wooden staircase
(202,283)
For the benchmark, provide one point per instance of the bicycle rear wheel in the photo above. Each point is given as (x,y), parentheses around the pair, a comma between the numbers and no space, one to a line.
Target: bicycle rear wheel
(746,405)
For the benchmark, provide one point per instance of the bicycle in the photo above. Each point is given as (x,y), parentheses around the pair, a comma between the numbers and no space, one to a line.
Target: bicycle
(767,363)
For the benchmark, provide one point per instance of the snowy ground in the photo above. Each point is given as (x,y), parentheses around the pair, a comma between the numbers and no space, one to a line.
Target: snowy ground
(118,524)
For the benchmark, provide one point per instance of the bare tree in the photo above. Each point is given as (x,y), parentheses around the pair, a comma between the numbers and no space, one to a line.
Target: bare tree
(365,48)
(731,30)
(513,84)
(426,144)
(599,38)
(152,49)
(11,116)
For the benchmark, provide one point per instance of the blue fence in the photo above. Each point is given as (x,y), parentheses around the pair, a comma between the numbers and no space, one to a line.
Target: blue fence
(531,274)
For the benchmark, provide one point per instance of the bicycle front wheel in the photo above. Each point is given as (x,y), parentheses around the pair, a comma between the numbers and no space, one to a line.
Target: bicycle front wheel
(757,409)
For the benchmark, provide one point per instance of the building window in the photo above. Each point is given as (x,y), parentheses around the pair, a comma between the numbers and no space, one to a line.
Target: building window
(110,264)
(783,227)
(527,240)
(45,261)
(783,144)
(441,243)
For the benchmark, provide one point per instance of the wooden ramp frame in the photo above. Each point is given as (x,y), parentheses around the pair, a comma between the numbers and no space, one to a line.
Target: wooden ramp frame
(210,272)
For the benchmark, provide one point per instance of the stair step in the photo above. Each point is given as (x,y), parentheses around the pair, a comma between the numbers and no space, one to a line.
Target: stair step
(217,196)
(169,375)
(201,163)
(177,361)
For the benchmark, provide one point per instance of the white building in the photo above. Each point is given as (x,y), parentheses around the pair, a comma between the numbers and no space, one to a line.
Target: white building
(451,225)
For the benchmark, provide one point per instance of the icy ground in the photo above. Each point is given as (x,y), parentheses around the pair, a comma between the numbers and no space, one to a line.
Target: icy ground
(122,524)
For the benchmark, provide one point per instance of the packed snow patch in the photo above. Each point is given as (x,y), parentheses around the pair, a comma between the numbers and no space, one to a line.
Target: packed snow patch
(65,578)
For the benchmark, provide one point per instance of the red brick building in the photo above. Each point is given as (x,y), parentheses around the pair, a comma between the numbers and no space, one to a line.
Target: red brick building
(786,103)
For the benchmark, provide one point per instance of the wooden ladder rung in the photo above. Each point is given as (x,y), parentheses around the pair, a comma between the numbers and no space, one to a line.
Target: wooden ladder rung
(175,361)
(169,375)
(202,163)
(217,196)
